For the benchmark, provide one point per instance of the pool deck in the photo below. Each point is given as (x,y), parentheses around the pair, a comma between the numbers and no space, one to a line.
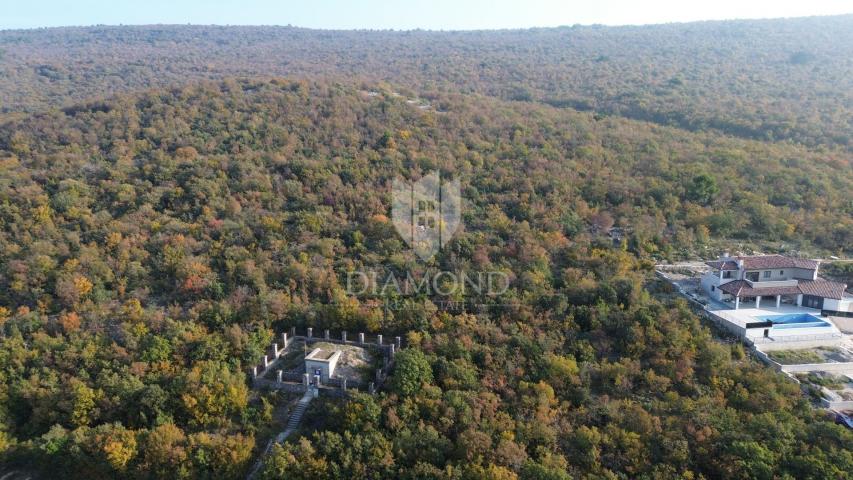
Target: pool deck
(735,321)
(739,318)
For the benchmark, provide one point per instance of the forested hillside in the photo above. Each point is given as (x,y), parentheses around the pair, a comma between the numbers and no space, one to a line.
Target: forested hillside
(152,243)
(772,80)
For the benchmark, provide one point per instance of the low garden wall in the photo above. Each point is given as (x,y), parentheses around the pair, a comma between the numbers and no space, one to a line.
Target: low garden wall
(842,368)
(839,405)
(832,367)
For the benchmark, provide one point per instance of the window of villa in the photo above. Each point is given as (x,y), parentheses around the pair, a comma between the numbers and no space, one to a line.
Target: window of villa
(727,274)
(712,288)
(781,272)
(767,274)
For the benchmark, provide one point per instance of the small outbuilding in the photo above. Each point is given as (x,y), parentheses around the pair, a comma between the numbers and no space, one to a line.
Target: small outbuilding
(322,362)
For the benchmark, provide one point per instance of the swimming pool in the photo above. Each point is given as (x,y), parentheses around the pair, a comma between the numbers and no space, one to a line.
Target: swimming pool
(794,320)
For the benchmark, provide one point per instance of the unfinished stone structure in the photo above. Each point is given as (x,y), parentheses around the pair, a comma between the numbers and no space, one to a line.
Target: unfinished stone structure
(321,363)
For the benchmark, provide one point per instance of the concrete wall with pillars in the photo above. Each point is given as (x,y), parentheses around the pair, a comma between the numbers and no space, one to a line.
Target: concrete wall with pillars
(297,383)
(386,350)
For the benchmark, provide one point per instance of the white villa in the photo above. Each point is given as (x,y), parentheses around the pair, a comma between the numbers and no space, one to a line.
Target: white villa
(775,280)
(776,301)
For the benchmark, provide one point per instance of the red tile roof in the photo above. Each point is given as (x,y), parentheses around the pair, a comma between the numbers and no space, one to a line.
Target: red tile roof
(722,265)
(777,261)
(818,288)
(741,288)
(762,262)
(823,288)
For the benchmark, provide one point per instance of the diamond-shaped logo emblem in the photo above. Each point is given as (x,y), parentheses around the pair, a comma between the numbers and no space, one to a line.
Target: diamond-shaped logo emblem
(426,213)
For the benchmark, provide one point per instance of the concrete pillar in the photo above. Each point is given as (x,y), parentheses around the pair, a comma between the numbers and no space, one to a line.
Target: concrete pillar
(275,350)
(737,302)
(799,299)
(778,301)
(278,376)
(758,301)
(255,371)
(361,338)
(379,339)
(317,380)
(305,379)
(344,383)
(326,334)
(399,342)
(284,339)
(310,332)
(371,389)
(292,331)
(344,336)
(392,351)
(266,361)
(721,274)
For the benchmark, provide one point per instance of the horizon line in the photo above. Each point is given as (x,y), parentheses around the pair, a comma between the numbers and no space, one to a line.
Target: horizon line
(420,29)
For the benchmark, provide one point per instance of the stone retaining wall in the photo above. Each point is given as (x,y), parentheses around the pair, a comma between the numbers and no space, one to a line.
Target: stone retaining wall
(832,367)
(839,406)
(842,368)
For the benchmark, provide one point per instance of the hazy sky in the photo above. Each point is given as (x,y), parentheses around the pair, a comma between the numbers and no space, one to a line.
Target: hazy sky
(436,14)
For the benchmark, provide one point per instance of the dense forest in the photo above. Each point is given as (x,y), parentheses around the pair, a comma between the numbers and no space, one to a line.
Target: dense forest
(776,80)
(152,243)
(173,196)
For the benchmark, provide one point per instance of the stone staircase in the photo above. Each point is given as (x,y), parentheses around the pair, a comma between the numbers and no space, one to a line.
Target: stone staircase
(292,425)
(296,416)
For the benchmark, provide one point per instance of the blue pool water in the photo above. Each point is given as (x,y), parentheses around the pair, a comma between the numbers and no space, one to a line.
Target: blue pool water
(794,320)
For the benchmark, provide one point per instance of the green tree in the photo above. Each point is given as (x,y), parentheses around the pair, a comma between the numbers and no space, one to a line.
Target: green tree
(212,392)
(703,188)
(411,371)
